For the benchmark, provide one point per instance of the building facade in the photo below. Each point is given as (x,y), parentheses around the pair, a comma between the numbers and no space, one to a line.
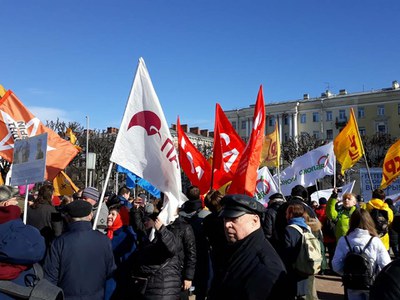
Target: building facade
(377,111)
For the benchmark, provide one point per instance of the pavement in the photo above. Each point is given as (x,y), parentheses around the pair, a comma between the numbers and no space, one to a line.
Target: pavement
(329,287)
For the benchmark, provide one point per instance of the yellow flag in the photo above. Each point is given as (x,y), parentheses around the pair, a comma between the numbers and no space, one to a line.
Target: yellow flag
(2,91)
(72,138)
(271,151)
(63,185)
(347,145)
(391,165)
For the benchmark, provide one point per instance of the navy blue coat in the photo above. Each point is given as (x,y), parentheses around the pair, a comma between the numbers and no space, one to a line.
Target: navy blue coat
(80,261)
(20,244)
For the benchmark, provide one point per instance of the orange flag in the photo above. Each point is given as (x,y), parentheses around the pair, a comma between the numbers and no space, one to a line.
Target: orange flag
(228,147)
(271,150)
(16,122)
(391,165)
(244,181)
(192,162)
(63,185)
(347,145)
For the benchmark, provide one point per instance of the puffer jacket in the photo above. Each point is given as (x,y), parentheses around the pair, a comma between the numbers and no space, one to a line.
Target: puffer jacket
(379,204)
(186,247)
(158,261)
(20,244)
(358,239)
(340,216)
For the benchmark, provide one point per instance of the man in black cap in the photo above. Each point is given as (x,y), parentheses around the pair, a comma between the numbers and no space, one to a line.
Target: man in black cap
(275,201)
(81,259)
(254,269)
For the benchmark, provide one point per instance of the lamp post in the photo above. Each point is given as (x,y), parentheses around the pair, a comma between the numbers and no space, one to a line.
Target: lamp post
(87,150)
(91,165)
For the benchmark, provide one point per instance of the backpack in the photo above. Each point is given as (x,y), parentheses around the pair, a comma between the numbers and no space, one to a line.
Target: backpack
(309,260)
(381,220)
(40,289)
(358,270)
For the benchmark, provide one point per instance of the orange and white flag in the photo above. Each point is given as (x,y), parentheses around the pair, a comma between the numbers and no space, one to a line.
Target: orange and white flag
(391,165)
(347,145)
(17,122)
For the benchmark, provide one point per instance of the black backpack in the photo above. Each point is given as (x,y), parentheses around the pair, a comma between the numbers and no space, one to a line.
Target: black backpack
(39,289)
(381,220)
(358,270)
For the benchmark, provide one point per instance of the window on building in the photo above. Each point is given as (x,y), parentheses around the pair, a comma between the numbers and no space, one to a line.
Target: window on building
(286,120)
(315,117)
(234,124)
(271,121)
(361,113)
(303,118)
(381,129)
(398,109)
(362,131)
(243,125)
(329,115)
(286,137)
(381,110)
(316,134)
(329,134)
(342,115)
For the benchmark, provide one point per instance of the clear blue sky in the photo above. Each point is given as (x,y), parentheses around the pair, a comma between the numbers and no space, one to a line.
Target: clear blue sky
(74,58)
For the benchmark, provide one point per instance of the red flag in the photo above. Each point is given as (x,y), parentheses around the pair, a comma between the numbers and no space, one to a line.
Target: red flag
(228,147)
(16,122)
(244,181)
(193,163)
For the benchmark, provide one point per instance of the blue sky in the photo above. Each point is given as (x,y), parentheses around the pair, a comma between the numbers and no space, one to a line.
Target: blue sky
(77,58)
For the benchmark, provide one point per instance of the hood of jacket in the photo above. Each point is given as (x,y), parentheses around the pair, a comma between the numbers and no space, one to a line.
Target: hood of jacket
(378,204)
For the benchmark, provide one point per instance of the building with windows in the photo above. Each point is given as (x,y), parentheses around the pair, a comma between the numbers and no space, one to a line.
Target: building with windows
(377,111)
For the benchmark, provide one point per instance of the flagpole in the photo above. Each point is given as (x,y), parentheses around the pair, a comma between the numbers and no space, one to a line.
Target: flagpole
(334,171)
(87,151)
(316,186)
(103,192)
(362,146)
(26,202)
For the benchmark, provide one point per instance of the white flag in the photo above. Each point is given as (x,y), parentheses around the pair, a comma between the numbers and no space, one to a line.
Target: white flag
(265,185)
(145,146)
(307,168)
(347,188)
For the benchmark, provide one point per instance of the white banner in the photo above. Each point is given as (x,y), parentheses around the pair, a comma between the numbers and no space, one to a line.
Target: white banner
(307,168)
(348,188)
(376,174)
(265,185)
(144,143)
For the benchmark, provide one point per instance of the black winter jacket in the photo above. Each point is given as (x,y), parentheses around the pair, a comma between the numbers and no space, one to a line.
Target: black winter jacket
(158,261)
(186,247)
(255,271)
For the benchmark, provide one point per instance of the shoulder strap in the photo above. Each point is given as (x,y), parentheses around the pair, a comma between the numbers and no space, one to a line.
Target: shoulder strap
(297,227)
(369,242)
(15,290)
(348,243)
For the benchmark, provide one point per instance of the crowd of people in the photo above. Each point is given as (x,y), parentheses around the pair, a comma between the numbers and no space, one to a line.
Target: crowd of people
(218,247)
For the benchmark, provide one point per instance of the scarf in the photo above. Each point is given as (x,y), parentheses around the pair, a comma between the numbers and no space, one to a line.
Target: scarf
(10,272)
(115,226)
(298,221)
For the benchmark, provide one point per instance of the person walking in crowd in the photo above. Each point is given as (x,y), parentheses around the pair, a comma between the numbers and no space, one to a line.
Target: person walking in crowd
(328,231)
(340,214)
(123,241)
(381,214)
(275,201)
(393,234)
(156,264)
(91,195)
(254,269)
(297,283)
(214,231)
(80,260)
(186,243)
(361,236)
(44,216)
(21,246)
(192,211)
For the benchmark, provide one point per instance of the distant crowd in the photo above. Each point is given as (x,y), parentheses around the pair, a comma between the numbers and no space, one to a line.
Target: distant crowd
(218,247)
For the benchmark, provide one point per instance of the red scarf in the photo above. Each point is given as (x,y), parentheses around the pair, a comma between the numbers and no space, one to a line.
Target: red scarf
(115,226)
(10,272)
